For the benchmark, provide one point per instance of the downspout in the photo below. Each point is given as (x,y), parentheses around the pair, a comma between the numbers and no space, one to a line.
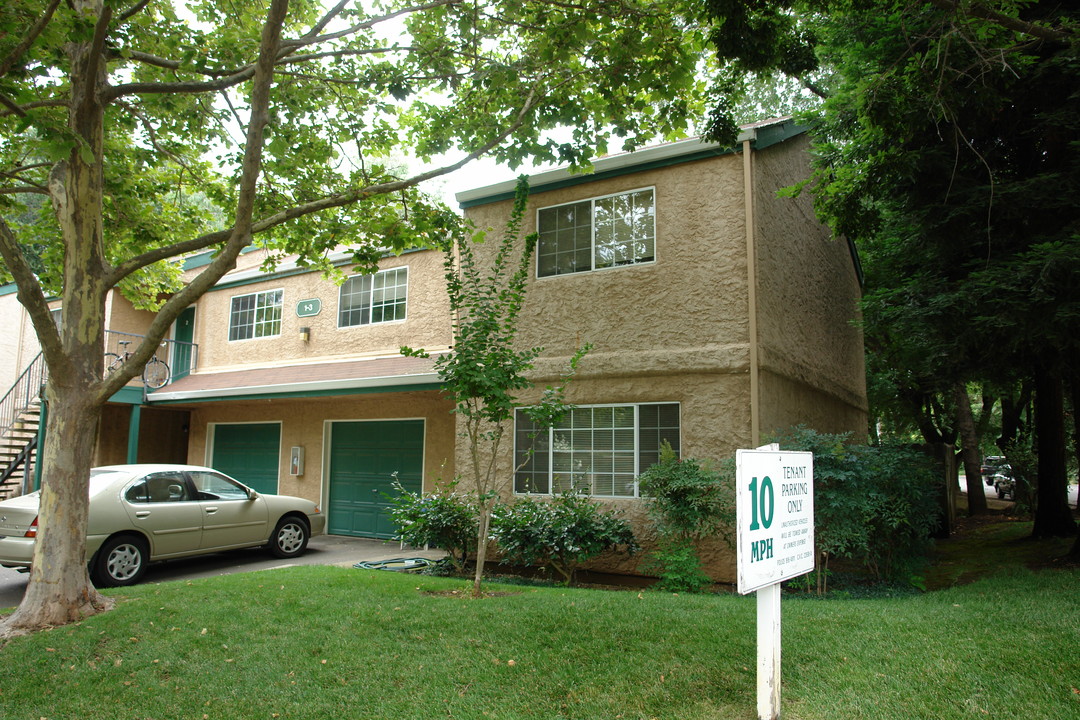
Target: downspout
(751,293)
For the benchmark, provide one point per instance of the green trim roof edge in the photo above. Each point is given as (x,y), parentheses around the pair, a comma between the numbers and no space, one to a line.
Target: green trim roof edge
(764,137)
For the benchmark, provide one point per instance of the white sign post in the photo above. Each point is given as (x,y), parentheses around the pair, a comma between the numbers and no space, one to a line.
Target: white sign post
(774,502)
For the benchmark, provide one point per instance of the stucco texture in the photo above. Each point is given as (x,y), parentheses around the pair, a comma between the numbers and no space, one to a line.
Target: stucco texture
(304,422)
(810,348)
(427,322)
(677,329)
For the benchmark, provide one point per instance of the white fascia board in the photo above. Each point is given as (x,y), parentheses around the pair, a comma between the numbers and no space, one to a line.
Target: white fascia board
(320,386)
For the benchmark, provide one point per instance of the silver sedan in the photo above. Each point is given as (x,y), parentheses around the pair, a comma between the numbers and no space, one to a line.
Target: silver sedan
(143,513)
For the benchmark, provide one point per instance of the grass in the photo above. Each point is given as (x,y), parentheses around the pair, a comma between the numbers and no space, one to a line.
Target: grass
(309,643)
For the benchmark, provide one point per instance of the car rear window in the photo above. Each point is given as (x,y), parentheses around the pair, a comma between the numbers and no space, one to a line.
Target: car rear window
(101,479)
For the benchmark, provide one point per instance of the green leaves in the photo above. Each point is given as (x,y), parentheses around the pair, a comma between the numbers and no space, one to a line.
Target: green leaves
(875,505)
(561,533)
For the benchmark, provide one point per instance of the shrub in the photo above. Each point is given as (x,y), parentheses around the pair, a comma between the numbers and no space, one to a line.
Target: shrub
(559,534)
(677,563)
(685,497)
(876,505)
(687,500)
(445,519)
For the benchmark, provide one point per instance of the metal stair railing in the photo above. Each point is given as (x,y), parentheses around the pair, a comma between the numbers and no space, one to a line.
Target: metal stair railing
(24,394)
(24,460)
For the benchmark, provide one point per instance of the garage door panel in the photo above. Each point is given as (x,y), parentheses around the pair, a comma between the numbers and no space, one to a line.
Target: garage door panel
(365,459)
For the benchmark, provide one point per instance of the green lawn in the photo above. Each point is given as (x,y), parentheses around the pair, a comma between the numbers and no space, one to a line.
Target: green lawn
(323,642)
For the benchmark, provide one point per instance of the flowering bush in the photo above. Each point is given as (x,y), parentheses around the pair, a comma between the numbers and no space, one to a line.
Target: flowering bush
(560,533)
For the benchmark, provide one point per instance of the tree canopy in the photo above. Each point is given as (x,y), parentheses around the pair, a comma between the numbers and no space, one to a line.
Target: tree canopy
(135,133)
(948,149)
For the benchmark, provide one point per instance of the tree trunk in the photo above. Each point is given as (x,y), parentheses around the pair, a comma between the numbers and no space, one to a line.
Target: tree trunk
(1074,395)
(484,522)
(1052,516)
(965,424)
(59,591)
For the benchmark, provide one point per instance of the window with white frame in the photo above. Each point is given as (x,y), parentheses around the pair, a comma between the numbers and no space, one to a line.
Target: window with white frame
(256,315)
(599,233)
(372,299)
(597,449)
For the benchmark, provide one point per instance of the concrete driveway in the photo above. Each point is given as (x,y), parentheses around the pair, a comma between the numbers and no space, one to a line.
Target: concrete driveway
(322,550)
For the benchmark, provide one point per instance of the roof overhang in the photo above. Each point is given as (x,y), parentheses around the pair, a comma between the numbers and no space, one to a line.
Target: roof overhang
(760,135)
(385,374)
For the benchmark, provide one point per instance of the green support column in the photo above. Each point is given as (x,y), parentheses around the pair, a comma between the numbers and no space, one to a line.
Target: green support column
(40,453)
(133,434)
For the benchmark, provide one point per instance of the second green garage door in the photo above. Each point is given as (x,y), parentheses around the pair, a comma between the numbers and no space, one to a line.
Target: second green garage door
(365,458)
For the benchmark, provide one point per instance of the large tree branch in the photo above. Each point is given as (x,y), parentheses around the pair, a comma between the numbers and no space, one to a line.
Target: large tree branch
(8,61)
(25,189)
(132,11)
(328,202)
(226,79)
(240,235)
(1009,23)
(31,296)
(312,38)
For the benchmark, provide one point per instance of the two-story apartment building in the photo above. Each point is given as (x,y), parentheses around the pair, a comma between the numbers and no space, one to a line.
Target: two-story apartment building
(718,312)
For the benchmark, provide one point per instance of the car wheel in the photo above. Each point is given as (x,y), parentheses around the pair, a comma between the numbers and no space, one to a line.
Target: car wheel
(121,561)
(290,538)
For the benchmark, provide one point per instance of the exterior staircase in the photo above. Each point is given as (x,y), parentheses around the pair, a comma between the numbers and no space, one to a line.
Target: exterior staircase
(20,417)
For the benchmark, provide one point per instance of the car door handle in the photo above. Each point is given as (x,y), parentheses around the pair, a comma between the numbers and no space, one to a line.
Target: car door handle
(211,510)
(142,513)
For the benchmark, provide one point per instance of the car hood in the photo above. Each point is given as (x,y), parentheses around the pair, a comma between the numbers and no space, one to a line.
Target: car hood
(17,514)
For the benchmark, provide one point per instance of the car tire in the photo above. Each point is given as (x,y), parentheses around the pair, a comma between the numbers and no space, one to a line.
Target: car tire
(120,562)
(290,538)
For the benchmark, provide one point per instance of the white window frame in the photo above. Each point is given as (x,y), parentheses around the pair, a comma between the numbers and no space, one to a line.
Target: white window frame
(524,470)
(255,322)
(371,294)
(594,248)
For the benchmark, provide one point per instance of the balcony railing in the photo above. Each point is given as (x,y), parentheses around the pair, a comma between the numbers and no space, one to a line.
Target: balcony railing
(181,357)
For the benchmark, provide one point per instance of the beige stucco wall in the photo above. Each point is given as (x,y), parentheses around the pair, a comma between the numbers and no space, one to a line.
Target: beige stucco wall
(714,420)
(427,323)
(304,422)
(20,345)
(810,349)
(686,310)
(671,331)
(678,330)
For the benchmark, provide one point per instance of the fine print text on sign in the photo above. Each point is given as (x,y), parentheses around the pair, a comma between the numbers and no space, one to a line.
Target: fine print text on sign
(775,507)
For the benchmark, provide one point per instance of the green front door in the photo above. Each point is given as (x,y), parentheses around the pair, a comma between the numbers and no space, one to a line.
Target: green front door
(249,452)
(184,335)
(365,459)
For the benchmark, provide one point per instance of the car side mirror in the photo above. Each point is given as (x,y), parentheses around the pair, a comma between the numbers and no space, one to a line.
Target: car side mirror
(252,495)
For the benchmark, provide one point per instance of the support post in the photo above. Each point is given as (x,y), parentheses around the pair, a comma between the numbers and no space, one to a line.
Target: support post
(768,644)
(133,434)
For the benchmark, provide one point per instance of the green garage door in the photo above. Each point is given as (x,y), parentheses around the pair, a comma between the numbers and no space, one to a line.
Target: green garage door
(249,452)
(365,457)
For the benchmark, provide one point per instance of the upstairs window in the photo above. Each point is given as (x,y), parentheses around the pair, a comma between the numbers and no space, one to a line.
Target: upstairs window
(594,234)
(599,450)
(372,299)
(256,315)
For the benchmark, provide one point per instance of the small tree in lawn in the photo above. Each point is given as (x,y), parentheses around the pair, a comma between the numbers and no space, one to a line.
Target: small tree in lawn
(484,370)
